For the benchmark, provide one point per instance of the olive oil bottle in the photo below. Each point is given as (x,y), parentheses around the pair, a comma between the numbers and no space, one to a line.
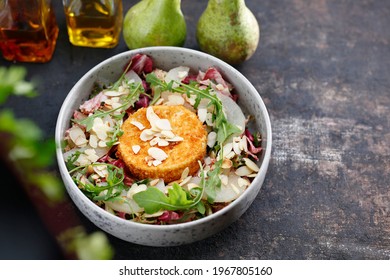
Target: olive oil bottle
(94,23)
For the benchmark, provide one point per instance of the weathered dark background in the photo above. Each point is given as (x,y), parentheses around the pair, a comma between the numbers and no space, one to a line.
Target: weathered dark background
(323,70)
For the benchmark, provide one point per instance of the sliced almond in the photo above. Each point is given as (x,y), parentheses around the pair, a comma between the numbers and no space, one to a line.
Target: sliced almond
(151,115)
(156,162)
(157,153)
(227,163)
(167,133)
(185,173)
(154,141)
(76,134)
(174,99)
(136,148)
(146,135)
(175,139)
(251,165)
(93,141)
(202,114)
(244,144)
(139,125)
(162,142)
(243,171)
(163,124)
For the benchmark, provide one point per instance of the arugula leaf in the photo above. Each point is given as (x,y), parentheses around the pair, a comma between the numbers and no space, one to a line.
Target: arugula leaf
(154,200)
(114,182)
(213,181)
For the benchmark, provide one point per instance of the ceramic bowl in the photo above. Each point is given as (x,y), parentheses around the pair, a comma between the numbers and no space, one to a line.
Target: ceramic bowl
(178,234)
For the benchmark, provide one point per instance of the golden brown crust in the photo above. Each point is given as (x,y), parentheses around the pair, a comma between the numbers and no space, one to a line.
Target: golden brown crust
(182,154)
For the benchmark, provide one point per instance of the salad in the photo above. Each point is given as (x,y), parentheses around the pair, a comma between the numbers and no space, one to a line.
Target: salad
(99,154)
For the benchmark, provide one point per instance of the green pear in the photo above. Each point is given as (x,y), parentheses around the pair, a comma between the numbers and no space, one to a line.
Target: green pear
(154,23)
(228,30)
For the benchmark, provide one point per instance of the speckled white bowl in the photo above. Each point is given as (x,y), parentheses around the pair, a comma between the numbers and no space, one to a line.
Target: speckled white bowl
(165,235)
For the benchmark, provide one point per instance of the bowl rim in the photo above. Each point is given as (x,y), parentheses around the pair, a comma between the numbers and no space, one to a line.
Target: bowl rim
(106,215)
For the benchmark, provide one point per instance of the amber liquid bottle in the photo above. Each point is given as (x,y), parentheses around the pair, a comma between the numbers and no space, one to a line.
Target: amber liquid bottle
(94,23)
(28,30)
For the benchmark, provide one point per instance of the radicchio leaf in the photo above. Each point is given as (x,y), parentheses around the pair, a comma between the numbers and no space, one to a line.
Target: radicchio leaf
(141,63)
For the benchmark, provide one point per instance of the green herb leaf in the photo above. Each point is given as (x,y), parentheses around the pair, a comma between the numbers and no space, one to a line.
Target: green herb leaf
(113,187)
(213,181)
(154,200)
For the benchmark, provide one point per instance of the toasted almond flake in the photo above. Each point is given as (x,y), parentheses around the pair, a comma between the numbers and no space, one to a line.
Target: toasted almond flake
(202,114)
(159,102)
(175,99)
(91,155)
(230,155)
(156,162)
(93,141)
(227,163)
(185,181)
(154,141)
(236,145)
(211,139)
(157,153)
(76,134)
(163,124)
(209,119)
(101,170)
(175,139)
(244,144)
(242,182)
(167,133)
(251,165)
(151,115)
(146,135)
(101,134)
(81,141)
(191,100)
(112,93)
(243,171)
(185,173)
(136,148)
(153,215)
(102,144)
(162,142)
(253,175)
(154,182)
(83,160)
(139,125)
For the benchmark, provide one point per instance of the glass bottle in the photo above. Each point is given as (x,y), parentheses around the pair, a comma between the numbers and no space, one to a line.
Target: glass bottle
(94,23)
(28,30)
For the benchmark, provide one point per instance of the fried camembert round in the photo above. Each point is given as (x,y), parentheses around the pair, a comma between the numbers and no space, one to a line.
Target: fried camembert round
(161,142)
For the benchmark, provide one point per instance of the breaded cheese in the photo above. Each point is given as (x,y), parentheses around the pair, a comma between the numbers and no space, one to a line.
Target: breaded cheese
(181,154)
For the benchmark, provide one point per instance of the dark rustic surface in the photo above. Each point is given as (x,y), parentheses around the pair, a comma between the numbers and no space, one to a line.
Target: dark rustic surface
(322,68)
